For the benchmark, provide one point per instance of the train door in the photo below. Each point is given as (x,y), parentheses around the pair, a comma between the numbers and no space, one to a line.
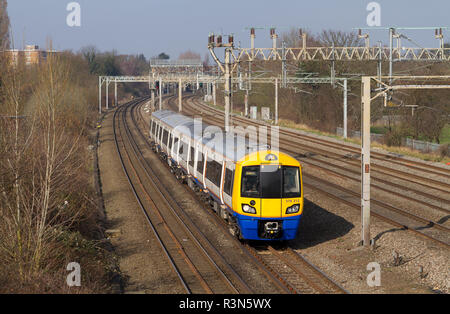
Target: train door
(271,191)
(228,179)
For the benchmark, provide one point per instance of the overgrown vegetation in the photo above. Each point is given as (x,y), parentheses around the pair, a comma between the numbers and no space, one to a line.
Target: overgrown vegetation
(50,214)
(47,203)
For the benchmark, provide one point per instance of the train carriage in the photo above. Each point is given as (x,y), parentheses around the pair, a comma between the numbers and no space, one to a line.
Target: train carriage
(258,191)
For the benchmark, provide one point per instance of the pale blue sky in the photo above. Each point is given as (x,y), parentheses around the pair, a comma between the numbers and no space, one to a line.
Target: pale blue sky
(173,26)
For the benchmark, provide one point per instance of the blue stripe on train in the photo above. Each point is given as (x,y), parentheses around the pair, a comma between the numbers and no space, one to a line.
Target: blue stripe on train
(249,227)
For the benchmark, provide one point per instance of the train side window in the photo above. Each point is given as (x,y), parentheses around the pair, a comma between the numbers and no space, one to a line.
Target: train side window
(228,185)
(170,141)
(200,162)
(156,130)
(165,137)
(214,171)
(175,145)
(160,132)
(183,150)
(192,157)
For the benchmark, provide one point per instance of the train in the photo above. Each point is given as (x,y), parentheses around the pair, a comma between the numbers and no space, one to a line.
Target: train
(257,191)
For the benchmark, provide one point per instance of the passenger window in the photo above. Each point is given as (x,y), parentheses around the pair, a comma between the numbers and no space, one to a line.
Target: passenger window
(228,186)
(170,142)
(183,150)
(175,144)
(214,171)
(165,137)
(200,162)
(192,157)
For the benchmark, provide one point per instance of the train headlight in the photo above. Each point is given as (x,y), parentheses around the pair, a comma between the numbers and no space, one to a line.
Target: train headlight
(248,209)
(293,209)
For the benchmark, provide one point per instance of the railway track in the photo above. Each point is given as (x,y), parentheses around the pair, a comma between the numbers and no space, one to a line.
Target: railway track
(294,271)
(396,216)
(199,267)
(285,268)
(350,155)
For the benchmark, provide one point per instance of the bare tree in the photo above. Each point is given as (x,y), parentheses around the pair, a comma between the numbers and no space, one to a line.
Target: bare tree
(293,39)
(339,39)
(189,55)
(39,167)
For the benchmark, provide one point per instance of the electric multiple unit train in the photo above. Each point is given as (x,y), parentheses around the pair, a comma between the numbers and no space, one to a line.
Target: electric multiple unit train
(259,192)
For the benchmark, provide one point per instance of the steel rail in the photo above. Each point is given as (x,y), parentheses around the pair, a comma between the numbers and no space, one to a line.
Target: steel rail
(141,205)
(430,223)
(275,275)
(159,187)
(380,187)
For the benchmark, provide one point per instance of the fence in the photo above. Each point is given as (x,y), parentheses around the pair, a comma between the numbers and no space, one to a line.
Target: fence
(421,145)
(357,134)
(408,142)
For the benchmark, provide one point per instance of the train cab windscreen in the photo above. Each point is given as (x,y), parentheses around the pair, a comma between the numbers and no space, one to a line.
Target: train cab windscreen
(270,181)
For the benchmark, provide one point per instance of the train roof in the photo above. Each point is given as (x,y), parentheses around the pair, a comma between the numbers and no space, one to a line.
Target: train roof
(231,145)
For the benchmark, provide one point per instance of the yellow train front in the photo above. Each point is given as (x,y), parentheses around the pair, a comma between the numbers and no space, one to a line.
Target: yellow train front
(268,196)
(258,192)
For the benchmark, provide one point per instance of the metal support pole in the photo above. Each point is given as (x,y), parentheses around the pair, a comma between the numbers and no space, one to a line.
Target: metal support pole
(345,108)
(246,102)
(115,93)
(274,45)
(276,101)
(227,88)
(284,65)
(380,62)
(153,99)
(391,43)
(180,96)
(107,94)
(365,161)
(160,93)
(333,68)
(214,94)
(252,43)
(99,94)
